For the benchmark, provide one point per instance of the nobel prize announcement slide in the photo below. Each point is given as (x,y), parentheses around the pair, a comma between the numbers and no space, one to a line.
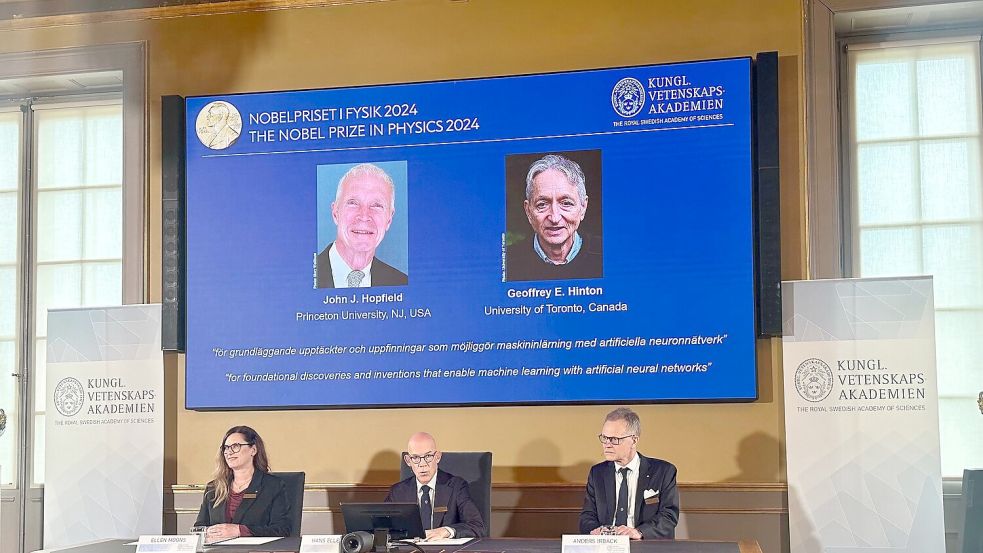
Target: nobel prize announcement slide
(579,237)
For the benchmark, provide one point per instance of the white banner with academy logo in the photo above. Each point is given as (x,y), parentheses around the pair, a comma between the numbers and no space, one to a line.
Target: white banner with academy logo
(861,416)
(104,424)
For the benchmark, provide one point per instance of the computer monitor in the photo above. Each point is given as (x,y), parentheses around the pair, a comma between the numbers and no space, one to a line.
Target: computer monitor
(402,520)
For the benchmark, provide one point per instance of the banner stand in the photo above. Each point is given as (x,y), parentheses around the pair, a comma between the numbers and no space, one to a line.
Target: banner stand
(104,424)
(862,416)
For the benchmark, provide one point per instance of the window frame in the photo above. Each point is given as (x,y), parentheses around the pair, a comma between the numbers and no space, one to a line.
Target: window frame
(847,191)
(851,228)
(39,336)
(823,209)
(130,59)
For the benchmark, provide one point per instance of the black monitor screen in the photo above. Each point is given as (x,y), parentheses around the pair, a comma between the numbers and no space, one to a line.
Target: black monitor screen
(401,519)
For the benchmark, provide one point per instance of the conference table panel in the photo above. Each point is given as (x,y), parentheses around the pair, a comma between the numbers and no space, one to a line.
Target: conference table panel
(480,545)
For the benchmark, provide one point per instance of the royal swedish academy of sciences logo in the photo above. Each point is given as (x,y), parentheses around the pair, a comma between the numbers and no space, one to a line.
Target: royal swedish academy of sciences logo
(628,97)
(69,396)
(218,125)
(813,380)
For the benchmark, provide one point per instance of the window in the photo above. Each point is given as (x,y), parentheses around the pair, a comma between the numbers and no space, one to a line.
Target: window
(79,229)
(72,209)
(915,169)
(73,256)
(10,171)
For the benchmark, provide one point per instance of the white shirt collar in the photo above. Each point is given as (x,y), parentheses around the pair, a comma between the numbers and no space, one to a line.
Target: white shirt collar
(340,270)
(574,250)
(432,483)
(632,465)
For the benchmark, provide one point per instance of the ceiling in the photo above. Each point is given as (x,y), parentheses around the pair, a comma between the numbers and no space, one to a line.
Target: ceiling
(934,16)
(22,9)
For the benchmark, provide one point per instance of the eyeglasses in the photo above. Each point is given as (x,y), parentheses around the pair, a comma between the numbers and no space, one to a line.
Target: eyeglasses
(233,448)
(427,458)
(614,440)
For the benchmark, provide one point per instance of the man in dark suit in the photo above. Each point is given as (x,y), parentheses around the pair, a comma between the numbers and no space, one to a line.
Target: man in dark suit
(363,211)
(445,500)
(629,494)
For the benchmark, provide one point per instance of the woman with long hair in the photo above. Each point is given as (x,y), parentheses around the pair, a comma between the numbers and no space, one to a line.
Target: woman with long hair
(243,498)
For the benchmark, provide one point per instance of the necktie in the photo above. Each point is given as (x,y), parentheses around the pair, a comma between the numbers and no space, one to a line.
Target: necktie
(426,509)
(355,278)
(621,514)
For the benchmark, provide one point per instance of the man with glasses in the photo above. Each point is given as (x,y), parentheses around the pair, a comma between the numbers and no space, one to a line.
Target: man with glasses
(363,211)
(444,499)
(629,494)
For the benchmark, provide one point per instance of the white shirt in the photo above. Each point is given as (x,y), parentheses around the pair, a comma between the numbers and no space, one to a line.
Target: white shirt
(340,270)
(632,486)
(433,495)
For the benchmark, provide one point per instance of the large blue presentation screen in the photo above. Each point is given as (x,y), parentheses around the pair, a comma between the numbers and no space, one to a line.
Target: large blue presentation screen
(580,237)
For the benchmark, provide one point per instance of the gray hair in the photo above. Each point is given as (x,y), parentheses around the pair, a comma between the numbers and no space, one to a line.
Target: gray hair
(630,418)
(569,168)
(369,169)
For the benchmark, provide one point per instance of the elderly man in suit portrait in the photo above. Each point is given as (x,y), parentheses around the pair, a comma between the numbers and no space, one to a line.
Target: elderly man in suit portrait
(363,211)
(555,206)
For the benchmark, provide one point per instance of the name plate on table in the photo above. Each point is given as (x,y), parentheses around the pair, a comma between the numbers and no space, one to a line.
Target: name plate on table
(167,544)
(327,543)
(594,544)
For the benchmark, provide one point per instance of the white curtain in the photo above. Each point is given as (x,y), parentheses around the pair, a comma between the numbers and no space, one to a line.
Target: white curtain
(914,139)
(79,238)
(10,131)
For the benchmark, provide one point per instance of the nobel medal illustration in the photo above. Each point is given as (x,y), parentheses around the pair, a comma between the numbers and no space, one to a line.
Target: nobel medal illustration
(218,125)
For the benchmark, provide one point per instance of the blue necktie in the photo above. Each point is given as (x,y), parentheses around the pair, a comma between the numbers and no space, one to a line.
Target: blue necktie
(426,509)
(621,515)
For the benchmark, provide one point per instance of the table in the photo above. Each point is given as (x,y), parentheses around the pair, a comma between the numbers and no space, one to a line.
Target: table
(481,545)
(543,545)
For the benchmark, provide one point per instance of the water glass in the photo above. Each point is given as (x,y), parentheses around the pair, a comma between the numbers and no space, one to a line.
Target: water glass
(200,532)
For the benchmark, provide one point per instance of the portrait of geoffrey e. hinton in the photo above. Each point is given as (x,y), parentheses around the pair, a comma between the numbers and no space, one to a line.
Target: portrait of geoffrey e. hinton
(361,225)
(553,222)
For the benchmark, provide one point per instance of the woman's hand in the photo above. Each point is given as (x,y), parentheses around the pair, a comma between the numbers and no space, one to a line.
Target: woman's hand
(222,532)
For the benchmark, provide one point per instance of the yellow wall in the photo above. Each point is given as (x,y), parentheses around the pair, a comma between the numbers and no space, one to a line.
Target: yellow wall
(418,40)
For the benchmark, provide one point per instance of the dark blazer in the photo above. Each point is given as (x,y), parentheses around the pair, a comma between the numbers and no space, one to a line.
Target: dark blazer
(653,520)
(383,274)
(453,493)
(266,514)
